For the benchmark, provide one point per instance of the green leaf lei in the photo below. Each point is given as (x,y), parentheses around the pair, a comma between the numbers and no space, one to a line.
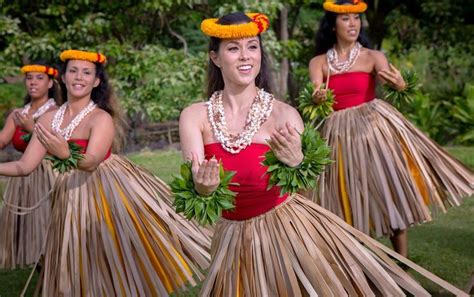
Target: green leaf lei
(204,209)
(309,109)
(63,165)
(303,176)
(26,137)
(406,95)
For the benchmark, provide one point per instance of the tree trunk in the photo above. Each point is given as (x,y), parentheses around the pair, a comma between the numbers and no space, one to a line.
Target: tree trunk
(284,67)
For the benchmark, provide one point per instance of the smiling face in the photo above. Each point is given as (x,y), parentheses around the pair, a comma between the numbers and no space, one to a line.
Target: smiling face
(37,84)
(348,27)
(239,60)
(80,78)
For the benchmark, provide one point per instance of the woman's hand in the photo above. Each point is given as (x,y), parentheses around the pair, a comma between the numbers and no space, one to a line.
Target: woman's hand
(54,143)
(393,77)
(205,175)
(25,121)
(319,95)
(286,145)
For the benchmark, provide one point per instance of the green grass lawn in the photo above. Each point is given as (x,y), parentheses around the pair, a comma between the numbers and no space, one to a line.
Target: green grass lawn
(444,246)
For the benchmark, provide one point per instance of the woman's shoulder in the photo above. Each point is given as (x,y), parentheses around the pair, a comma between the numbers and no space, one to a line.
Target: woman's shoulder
(375,54)
(100,115)
(282,109)
(195,110)
(317,60)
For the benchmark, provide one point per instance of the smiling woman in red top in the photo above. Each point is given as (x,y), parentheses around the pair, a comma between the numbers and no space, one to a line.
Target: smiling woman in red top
(387,175)
(113,231)
(22,236)
(269,245)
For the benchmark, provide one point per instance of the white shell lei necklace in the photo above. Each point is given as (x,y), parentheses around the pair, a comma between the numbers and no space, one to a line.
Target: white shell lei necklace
(339,67)
(259,112)
(59,117)
(40,111)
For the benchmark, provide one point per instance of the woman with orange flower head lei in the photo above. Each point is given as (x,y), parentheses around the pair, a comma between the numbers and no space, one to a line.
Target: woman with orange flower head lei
(387,174)
(26,208)
(270,244)
(112,231)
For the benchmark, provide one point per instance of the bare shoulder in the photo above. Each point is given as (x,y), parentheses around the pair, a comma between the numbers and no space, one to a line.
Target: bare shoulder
(317,61)
(195,111)
(284,112)
(375,54)
(100,115)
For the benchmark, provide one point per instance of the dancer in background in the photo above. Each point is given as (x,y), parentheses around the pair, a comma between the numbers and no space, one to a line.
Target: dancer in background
(271,244)
(112,233)
(25,211)
(387,174)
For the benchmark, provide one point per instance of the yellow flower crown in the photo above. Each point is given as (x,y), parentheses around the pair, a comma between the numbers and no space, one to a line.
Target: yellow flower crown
(82,55)
(39,68)
(357,6)
(259,24)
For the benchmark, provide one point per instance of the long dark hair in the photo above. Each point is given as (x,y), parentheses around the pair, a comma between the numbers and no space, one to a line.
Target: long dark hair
(104,96)
(215,81)
(326,35)
(53,92)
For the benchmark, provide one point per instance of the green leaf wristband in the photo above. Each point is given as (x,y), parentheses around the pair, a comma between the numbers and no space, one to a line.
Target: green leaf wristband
(204,209)
(64,165)
(302,177)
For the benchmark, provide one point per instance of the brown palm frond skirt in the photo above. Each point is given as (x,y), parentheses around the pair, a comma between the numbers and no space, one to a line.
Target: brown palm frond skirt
(301,249)
(387,174)
(113,233)
(22,236)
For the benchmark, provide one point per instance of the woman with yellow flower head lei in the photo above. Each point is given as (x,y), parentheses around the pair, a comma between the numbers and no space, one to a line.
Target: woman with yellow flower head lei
(387,174)
(26,209)
(112,230)
(270,244)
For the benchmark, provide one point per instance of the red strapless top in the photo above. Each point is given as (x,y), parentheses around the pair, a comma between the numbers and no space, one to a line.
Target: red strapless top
(352,89)
(252,197)
(18,143)
(84,143)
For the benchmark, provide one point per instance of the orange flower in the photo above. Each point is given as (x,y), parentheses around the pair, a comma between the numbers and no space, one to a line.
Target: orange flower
(83,55)
(39,68)
(259,24)
(358,6)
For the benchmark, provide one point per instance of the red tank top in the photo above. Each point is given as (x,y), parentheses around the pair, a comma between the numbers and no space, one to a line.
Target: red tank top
(252,197)
(352,89)
(84,143)
(18,143)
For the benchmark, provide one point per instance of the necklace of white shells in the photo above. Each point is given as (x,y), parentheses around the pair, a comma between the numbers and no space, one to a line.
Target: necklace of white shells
(59,117)
(259,112)
(339,67)
(40,111)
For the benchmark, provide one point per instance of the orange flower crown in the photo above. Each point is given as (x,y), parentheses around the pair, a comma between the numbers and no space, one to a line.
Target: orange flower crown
(259,24)
(82,55)
(39,68)
(357,6)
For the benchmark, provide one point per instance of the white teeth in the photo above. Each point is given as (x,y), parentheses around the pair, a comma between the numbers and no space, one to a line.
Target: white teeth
(245,67)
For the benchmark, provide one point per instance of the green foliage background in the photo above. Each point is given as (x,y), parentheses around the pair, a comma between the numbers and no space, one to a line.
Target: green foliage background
(157,54)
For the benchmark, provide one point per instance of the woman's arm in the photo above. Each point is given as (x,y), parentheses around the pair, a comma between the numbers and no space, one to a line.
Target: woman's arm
(285,139)
(205,173)
(100,138)
(190,131)
(387,73)
(316,73)
(28,162)
(100,141)
(7,132)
